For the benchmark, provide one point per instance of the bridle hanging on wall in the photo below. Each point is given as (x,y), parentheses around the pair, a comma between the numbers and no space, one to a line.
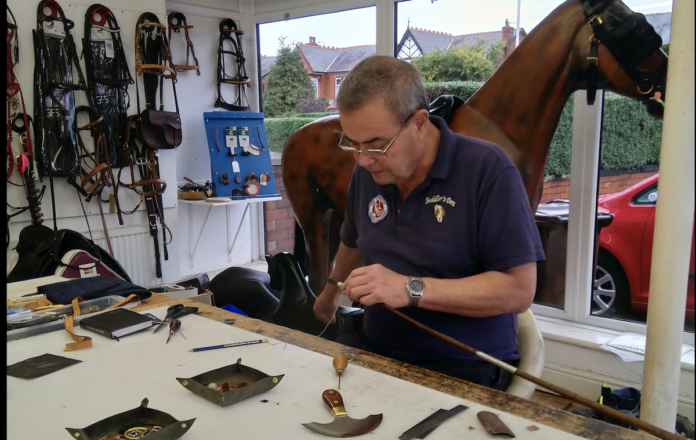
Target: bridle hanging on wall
(240,80)
(108,78)
(177,21)
(58,142)
(152,60)
(14,98)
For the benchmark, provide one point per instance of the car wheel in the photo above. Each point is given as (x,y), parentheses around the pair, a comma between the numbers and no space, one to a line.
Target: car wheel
(610,293)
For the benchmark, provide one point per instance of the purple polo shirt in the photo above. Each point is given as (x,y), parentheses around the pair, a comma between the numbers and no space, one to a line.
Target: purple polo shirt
(470,215)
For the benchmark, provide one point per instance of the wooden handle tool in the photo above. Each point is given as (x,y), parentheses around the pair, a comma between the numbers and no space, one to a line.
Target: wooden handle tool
(340,363)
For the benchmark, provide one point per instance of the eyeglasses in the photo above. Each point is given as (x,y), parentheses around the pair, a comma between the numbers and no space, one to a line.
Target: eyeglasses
(377,153)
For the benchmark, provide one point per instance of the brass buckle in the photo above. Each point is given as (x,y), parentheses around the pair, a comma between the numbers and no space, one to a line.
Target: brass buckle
(645,93)
(596,17)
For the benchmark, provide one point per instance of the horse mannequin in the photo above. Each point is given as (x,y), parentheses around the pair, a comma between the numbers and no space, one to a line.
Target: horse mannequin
(518,108)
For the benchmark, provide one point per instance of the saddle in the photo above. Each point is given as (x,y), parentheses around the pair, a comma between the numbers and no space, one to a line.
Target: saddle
(281,296)
(444,106)
(240,80)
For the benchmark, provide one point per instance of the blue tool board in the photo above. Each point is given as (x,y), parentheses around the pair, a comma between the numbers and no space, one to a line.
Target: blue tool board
(221,161)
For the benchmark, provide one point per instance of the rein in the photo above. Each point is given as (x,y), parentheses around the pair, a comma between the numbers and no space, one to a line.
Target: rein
(227,28)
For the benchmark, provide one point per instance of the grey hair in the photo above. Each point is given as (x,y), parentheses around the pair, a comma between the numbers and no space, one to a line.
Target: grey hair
(396,82)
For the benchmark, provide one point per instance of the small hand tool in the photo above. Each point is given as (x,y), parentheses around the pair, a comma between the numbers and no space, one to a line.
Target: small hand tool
(170,313)
(342,426)
(174,325)
(335,282)
(422,429)
(340,363)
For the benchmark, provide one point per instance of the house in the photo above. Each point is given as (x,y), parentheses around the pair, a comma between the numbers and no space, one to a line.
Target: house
(416,42)
(328,66)
(265,64)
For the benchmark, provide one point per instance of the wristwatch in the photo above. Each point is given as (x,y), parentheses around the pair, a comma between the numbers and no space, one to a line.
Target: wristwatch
(415,288)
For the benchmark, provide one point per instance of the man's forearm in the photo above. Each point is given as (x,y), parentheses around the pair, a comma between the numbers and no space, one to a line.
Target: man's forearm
(483,295)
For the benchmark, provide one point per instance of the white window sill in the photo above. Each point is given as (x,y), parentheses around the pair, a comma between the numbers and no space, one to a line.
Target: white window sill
(591,337)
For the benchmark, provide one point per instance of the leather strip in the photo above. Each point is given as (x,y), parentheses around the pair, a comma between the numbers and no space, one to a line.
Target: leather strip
(81,342)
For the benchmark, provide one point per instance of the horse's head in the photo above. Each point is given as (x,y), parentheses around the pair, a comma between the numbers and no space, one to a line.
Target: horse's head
(621,52)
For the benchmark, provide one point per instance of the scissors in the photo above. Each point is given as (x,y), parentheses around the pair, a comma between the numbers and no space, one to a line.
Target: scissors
(175,311)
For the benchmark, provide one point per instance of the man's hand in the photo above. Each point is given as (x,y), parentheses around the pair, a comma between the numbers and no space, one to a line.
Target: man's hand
(376,284)
(326,304)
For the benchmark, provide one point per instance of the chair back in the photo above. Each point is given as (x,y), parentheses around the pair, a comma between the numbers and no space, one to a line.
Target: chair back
(532,354)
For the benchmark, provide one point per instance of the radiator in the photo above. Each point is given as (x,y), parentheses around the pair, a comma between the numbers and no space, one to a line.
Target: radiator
(134,249)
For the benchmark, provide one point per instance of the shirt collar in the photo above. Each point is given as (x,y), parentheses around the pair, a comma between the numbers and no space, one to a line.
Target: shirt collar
(446,150)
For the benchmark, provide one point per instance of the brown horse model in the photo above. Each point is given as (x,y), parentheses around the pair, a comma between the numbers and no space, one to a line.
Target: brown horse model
(518,108)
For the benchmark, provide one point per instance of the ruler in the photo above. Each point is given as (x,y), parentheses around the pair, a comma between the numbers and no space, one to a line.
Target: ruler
(432,422)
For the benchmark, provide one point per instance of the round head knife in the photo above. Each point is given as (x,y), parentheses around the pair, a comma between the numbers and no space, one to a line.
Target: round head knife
(342,426)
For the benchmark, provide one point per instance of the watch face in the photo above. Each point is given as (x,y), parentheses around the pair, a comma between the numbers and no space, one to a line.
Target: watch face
(416,286)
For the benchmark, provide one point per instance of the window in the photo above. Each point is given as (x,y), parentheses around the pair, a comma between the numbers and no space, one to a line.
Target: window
(315,84)
(339,81)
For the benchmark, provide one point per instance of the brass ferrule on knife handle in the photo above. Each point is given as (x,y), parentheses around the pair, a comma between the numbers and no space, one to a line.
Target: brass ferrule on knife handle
(334,401)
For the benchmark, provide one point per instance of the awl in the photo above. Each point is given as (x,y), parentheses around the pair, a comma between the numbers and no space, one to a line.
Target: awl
(340,363)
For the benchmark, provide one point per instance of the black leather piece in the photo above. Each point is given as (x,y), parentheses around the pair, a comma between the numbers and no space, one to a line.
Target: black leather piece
(444,106)
(296,308)
(246,289)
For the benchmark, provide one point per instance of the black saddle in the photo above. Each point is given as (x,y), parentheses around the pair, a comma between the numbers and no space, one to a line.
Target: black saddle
(247,289)
(282,296)
(444,106)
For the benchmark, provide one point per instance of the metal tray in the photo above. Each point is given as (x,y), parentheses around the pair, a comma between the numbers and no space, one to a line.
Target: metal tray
(135,423)
(256,381)
(102,303)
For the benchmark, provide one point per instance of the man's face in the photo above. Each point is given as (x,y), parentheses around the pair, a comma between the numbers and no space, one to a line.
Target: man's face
(373,127)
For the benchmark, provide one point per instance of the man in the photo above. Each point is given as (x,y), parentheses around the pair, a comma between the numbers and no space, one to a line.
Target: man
(467,273)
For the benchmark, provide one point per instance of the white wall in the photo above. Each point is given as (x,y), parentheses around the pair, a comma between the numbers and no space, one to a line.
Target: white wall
(196,95)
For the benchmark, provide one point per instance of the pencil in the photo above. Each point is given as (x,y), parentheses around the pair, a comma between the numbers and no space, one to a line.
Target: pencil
(234,344)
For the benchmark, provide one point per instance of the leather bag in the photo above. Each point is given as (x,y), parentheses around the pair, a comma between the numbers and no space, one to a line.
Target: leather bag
(160,130)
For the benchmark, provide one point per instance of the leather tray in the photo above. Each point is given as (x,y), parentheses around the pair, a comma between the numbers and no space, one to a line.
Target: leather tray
(235,375)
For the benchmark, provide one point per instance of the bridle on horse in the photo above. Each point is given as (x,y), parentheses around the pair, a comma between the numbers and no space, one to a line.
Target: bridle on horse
(178,17)
(240,80)
(630,41)
(108,77)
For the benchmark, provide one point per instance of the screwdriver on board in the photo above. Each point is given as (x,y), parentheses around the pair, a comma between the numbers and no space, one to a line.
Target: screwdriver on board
(340,363)
(174,325)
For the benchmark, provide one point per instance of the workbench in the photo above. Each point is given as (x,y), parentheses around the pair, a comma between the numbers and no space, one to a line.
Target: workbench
(116,375)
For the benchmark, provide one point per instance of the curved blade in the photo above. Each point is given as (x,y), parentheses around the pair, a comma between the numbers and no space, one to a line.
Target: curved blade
(343,427)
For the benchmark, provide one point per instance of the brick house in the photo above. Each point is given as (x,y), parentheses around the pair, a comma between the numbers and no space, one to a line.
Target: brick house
(265,63)
(327,66)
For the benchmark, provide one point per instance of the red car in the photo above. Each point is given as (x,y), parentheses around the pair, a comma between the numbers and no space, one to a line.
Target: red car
(622,278)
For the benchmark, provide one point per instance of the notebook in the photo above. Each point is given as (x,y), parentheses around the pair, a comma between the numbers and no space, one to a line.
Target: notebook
(116,323)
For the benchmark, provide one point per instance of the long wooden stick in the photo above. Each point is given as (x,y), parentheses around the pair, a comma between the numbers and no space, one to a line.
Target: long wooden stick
(632,421)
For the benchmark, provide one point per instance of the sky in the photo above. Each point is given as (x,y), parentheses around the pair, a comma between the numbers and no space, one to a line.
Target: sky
(357,27)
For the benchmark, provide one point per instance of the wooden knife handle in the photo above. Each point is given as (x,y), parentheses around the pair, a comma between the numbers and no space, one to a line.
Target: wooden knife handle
(340,363)
(334,401)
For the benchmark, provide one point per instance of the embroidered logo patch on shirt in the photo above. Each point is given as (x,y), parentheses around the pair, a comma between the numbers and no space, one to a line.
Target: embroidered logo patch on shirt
(439,213)
(378,209)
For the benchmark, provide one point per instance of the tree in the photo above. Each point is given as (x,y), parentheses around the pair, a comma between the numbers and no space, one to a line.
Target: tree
(473,62)
(288,82)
